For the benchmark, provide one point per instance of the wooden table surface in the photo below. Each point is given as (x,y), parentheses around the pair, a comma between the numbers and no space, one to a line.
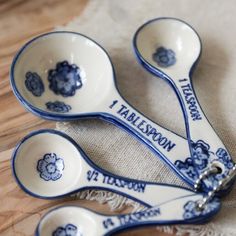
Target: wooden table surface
(21,20)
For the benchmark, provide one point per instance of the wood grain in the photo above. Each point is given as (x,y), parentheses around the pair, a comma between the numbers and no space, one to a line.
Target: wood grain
(21,20)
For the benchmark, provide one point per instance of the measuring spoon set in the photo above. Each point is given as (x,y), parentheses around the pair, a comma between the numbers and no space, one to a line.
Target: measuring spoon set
(67,76)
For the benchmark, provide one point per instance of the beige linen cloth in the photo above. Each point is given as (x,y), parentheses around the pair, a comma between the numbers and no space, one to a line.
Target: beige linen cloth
(112,24)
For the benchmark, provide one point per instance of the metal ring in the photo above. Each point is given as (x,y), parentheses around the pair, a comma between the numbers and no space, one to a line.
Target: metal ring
(202,176)
(221,184)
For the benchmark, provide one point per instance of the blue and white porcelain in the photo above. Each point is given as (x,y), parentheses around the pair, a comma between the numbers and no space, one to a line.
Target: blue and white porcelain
(178,211)
(96,95)
(170,48)
(50,164)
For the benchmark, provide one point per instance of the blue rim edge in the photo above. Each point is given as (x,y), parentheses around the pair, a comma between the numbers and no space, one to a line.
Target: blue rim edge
(104,116)
(156,72)
(87,159)
(198,220)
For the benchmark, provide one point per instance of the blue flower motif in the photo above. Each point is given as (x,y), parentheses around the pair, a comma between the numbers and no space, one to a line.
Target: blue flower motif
(224,157)
(198,163)
(58,106)
(187,168)
(50,167)
(164,57)
(68,230)
(65,79)
(201,154)
(191,167)
(34,83)
(191,210)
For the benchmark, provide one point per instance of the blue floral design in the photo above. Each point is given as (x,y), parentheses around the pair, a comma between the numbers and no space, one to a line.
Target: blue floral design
(50,167)
(187,168)
(68,230)
(34,83)
(58,106)
(224,157)
(200,154)
(65,79)
(164,57)
(199,161)
(191,210)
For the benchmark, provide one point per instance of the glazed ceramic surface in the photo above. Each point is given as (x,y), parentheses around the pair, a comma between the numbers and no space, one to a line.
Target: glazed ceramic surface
(65,76)
(81,221)
(169,48)
(50,164)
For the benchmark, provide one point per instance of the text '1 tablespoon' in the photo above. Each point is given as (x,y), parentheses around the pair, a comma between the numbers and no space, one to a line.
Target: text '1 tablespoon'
(50,164)
(169,48)
(72,220)
(67,76)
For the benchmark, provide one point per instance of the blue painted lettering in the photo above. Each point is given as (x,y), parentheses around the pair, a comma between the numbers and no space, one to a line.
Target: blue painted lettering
(190,100)
(107,223)
(138,216)
(144,127)
(121,183)
(92,175)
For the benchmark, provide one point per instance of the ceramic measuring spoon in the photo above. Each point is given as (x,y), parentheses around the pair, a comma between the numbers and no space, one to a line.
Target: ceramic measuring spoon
(66,76)
(169,48)
(81,221)
(50,164)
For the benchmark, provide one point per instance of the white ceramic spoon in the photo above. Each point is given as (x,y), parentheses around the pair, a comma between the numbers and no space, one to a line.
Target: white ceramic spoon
(65,76)
(50,164)
(78,221)
(169,48)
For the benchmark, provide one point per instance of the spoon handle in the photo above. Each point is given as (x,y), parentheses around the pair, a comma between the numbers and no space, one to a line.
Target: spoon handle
(171,147)
(207,150)
(179,211)
(146,193)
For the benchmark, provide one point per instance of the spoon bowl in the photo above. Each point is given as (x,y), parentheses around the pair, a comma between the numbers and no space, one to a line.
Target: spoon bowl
(167,45)
(65,219)
(47,165)
(61,74)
